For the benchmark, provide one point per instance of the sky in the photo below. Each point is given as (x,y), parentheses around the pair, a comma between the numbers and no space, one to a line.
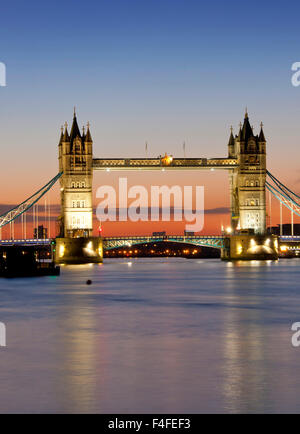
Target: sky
(161,71)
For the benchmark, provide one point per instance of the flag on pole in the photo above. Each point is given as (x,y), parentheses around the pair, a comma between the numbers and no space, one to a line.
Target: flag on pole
(146,149)
(184,149)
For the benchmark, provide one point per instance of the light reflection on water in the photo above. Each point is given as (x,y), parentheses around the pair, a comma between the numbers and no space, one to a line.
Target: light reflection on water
(150,335)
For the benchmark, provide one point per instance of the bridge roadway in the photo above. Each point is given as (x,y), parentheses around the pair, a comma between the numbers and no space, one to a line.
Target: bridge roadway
(116,242)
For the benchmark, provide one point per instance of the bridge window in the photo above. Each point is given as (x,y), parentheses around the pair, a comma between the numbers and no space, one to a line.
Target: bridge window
(252,184)
(73,185)
(83,185)
(74,204)
(257,183)
(247,183)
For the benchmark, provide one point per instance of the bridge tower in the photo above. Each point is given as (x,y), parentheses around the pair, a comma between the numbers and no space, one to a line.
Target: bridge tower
(249,238)
(76,242)
(247,182)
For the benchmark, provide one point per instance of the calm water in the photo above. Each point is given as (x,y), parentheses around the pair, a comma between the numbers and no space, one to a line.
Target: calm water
(149,335)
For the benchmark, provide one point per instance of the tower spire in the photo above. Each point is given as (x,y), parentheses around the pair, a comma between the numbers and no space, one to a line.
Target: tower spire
(88,137)
(261,137)
(61,135)
(66,137)
(231,138)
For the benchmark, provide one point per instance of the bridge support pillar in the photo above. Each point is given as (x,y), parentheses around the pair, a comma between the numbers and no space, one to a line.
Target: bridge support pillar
(250,247)
(79,250)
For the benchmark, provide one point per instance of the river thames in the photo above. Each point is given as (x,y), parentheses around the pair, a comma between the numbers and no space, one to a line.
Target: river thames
(153,336)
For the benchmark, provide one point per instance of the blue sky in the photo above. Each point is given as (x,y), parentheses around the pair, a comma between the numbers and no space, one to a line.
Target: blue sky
(164,71)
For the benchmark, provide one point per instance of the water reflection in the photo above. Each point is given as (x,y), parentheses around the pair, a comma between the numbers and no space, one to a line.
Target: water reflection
(77,346)
(155,336)
(244,358)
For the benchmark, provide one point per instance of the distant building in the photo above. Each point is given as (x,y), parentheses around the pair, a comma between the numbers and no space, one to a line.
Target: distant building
(189,233)
(159,234)
(40,233)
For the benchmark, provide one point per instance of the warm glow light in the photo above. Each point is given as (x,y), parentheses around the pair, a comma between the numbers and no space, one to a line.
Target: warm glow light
(167,160)
(283,248)
(252,243)
(61,250)
(228,230)
(239,249)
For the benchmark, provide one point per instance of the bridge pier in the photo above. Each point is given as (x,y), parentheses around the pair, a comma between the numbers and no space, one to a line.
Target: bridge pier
(79,250)
(245,246)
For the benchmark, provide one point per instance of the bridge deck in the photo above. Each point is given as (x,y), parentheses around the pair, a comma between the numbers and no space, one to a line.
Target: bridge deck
(158,164)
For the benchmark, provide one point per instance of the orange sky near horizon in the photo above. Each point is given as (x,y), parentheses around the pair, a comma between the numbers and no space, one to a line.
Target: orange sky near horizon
(216,200)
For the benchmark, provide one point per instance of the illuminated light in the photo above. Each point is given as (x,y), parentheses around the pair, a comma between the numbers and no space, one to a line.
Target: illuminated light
(283,248)
(107,170)
(276,244)
(167,160)
(229,230)
(129,264)
(61,250)
(252,243)
(267,242)
(239,249)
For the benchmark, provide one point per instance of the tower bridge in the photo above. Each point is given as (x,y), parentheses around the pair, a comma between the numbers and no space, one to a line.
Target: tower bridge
(245,163)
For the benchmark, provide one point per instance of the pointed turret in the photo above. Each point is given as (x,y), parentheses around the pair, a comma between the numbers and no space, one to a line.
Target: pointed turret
(231,144)
(66,137)
(247,131)
(61,136)
(231,138)
(239,136)
(261,137)
(88,137)
(75,132)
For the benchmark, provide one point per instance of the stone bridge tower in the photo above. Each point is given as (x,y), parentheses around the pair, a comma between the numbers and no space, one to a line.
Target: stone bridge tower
(247,182)
(76,241)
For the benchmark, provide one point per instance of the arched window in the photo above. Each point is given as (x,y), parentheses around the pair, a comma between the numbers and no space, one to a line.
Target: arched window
(73,185)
